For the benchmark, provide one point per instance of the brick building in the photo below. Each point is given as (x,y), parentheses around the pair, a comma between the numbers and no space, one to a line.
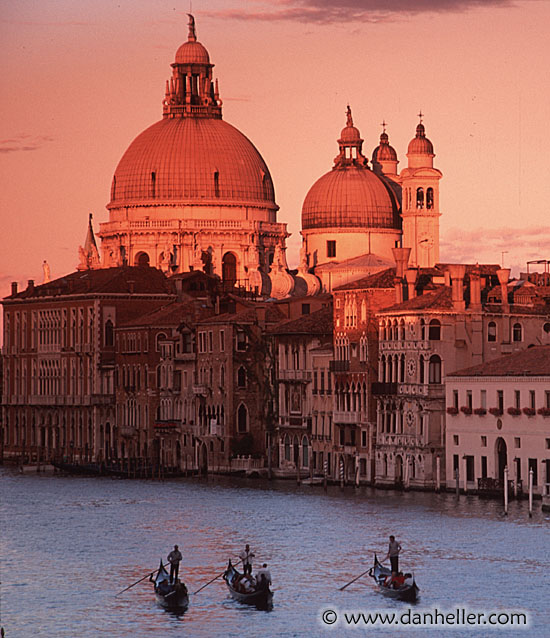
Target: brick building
(59,360)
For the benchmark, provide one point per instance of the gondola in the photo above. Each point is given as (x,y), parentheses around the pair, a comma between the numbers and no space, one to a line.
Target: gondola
(259,595)
(407,592)
(170,596)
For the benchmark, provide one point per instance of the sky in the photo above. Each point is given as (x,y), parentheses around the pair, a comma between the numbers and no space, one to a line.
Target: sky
(82,79)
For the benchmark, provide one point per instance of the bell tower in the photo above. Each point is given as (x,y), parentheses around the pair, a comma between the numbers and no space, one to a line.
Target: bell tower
(420,205)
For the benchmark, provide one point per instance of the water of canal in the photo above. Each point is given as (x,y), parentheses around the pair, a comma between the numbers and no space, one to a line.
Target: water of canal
(69,544)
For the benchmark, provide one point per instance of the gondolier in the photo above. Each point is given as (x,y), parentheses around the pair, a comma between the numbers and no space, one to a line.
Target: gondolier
(393,554)
(246,556)
(174,558)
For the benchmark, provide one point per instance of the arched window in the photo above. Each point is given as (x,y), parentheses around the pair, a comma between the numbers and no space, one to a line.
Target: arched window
(434,332)
(420,197)
(229,269)
(242,418)
(422,329)
(153,184)
(216,184)
(141,259)
(491,331)
(435,369)
(287,448)
(305,452)
(241,377)
(517,332)
(429,198)
(160,337)
(109,333)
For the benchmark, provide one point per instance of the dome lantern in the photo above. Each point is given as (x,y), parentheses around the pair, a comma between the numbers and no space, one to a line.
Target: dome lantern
(191,92)
(350,145)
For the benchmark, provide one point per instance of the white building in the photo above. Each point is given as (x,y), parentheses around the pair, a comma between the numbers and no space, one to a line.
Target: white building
(498,415)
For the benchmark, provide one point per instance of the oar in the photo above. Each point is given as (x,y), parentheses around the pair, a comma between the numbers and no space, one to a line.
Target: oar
(215,578)
(139,581)
(352,581)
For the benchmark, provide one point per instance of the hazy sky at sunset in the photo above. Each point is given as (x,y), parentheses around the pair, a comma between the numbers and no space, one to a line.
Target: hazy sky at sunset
(81,79)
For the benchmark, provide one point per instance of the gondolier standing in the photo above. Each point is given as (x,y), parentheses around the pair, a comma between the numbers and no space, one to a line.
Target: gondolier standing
(174,558)
(246,556)
(393,554)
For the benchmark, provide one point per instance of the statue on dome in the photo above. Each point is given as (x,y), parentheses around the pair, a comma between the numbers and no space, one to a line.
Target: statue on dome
(349,119)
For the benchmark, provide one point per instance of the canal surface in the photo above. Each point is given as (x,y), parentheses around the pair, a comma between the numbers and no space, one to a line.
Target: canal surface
(70,544)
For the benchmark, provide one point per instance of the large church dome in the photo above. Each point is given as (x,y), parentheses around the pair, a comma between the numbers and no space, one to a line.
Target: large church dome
(350,195)
(192,157)
(192,161)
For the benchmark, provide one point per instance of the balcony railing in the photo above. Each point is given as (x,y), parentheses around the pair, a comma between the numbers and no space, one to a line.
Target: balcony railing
(347,417)
(339,366)
(295,375)
(380,388)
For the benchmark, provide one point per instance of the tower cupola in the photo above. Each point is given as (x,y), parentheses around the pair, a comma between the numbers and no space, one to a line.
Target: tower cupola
(384,156)
(420,152)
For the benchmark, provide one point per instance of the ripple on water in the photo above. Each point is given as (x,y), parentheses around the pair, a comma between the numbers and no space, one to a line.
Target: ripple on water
(70,544)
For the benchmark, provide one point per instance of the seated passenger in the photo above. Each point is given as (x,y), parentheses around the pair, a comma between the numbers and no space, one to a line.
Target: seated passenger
(398,580)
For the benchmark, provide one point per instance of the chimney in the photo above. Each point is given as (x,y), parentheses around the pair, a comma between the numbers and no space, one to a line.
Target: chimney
(503,275)
(401,257)
(475,290)
(30,285)
(13,287)
(447,278)
(410,276)
(457,272)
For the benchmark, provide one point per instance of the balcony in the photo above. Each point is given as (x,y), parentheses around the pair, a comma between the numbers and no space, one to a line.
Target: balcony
(167,426)
(380,388)
(347,417)
(295,375)
(185,356)
(127,431)
(339,366)
(201,390)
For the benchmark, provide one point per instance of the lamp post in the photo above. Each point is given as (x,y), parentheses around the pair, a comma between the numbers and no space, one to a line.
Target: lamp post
(530,492)
(506,490)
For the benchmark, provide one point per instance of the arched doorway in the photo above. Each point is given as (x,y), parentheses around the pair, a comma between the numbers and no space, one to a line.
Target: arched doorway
(501,457)
(203,459)
(229,269)
(398,469)
(141,259)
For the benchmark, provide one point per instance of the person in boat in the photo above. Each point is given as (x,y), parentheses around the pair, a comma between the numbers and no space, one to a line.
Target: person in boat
(263,577)
(174,558)
(393,554)
(246,556)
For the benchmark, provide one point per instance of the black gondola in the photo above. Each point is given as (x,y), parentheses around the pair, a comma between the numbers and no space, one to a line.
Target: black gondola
(258,594)
(172,596)
(407,592)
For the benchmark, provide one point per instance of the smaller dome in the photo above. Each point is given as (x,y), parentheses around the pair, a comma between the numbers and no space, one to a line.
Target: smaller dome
(384,152)
(420,145)
(192,53)
(350,134)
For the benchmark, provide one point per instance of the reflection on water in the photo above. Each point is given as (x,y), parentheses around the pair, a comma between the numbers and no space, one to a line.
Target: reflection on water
(70,544)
